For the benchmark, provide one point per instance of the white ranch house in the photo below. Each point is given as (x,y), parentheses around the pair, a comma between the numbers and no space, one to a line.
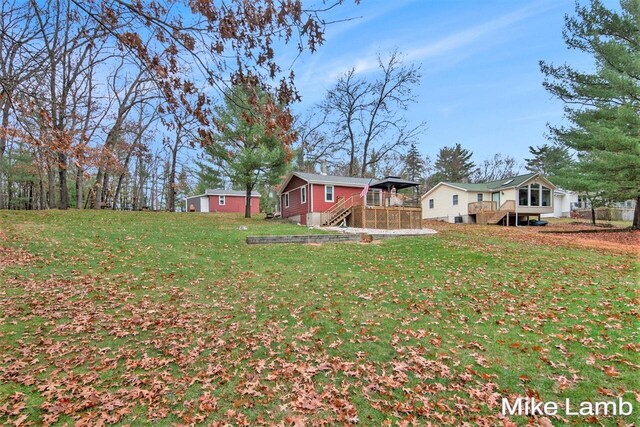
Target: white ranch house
(498,202)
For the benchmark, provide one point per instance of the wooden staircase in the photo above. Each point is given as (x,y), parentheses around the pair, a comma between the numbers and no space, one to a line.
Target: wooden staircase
(338,217)
(492,217)
(495,216)
(340,211)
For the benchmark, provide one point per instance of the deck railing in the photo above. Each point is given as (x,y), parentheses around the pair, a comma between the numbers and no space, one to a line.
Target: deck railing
(340,205)
(509,205)
(480,207)
(491,206)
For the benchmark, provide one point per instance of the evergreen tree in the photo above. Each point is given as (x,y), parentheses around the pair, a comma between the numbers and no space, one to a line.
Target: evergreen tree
(414,164)
(453,164)
(548,159)
(603,107)
(208,176)
(251,139)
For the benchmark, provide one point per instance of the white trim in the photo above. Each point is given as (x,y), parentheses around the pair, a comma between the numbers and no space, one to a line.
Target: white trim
(311,204)
(303,192)
(222,199)
(286,199)
(438,185)
(550,184)
(225,194)
(333,191)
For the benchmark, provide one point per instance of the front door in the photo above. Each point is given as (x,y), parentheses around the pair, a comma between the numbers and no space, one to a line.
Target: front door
(495,197)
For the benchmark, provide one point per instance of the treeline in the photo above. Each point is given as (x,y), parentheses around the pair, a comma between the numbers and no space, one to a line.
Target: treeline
(99,99)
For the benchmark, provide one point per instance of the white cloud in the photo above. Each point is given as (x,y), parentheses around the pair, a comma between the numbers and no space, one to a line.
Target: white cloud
(453,46)
(468,37)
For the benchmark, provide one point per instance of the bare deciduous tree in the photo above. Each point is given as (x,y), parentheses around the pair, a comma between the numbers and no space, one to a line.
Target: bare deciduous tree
(368,116)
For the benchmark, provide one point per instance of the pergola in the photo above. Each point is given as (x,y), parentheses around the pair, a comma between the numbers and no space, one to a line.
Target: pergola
(389,182)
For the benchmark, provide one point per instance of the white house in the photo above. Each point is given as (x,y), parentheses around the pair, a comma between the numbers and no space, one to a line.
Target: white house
(497,202)
(563,202)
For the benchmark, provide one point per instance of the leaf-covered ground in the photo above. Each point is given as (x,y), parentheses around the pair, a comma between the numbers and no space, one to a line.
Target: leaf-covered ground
(171,319)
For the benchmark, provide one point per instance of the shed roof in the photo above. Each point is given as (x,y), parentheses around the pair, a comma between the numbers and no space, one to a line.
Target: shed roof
(222,192)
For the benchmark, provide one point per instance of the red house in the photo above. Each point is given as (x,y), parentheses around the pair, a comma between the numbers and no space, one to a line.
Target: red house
(313,199)
(229,201)
(304,197)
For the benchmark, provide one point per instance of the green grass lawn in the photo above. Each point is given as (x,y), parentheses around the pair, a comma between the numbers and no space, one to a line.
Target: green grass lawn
(134,318)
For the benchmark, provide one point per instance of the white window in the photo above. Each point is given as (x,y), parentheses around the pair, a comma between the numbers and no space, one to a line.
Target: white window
(286,200)
(430,203)
(374,197)
(221,200)
(479,197)
(455,199)
(328,193)
(303,194)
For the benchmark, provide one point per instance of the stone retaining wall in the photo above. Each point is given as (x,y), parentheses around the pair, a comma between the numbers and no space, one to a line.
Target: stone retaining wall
(312,238)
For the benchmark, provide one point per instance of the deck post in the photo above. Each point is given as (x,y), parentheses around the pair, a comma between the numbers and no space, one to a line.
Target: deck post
(364,217)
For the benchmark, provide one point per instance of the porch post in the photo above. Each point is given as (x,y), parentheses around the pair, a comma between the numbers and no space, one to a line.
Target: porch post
(517,203)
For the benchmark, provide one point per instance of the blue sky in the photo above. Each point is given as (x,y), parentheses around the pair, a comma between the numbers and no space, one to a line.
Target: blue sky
(481,85)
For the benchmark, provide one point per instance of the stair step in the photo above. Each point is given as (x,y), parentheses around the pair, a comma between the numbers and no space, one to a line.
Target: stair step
(338,217)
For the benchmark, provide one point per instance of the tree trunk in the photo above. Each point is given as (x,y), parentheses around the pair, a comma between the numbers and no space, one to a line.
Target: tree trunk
(3,145)
(171,187)
(247,204)
(62,177)
(43,199)
(79,187)
(636,215)
(593,214)
(51,181)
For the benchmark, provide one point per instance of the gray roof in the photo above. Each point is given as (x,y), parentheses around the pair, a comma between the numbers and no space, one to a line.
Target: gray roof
(317,178)
(222,192)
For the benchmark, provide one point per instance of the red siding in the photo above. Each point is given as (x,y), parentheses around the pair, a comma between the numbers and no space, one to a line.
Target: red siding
(319,205)
(233,204)
(296,207)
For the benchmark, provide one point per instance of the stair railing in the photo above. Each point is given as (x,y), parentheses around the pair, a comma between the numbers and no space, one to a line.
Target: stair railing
(341,205)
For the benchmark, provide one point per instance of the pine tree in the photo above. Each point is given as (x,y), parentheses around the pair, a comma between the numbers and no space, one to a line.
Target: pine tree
(453,164)
(603,107)
(414,164)
(548,160)
(251,141)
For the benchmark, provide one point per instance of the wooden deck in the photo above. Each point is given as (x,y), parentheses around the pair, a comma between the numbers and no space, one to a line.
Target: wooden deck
(486,212)
(386,217)
(356,214)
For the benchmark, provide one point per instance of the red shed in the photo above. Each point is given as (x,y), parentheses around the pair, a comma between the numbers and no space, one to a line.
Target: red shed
(229,201)
(305,196)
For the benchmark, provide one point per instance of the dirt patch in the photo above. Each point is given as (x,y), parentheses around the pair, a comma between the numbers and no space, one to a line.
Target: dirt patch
(624,241)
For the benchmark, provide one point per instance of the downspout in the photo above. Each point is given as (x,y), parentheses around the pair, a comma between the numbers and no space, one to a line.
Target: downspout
(310,197)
